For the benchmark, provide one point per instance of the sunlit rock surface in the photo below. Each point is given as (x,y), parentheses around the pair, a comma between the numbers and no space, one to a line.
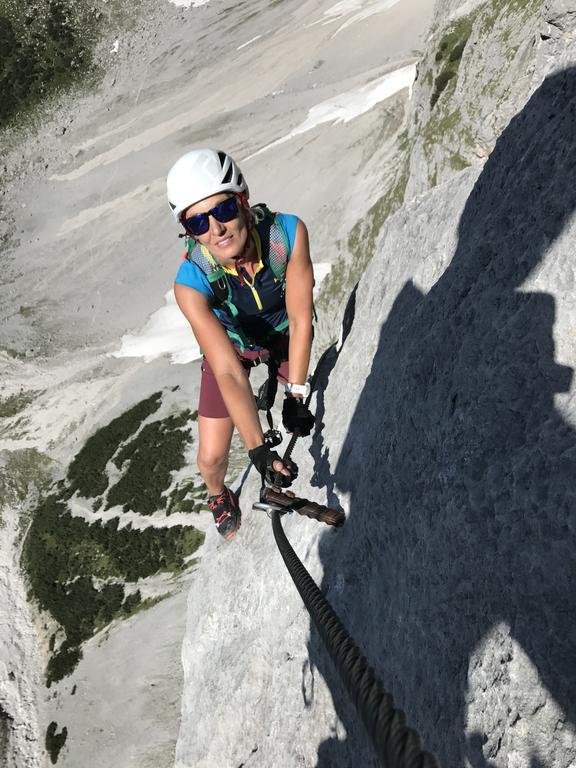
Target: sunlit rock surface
(445,412)
(448,421)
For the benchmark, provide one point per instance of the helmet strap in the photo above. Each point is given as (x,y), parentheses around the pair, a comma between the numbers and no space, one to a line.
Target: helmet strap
(246,206)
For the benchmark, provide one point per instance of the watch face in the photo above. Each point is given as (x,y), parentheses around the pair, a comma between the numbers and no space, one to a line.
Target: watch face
(298,389)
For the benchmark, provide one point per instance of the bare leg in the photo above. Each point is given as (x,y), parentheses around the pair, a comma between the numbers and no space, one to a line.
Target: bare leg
(214,446)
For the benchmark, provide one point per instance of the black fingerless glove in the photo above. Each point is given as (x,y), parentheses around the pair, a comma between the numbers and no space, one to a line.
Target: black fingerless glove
(296,416)
(263,459)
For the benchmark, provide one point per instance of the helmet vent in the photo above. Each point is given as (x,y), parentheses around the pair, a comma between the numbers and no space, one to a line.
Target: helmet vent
(228,176)
(240,179)
(222,156)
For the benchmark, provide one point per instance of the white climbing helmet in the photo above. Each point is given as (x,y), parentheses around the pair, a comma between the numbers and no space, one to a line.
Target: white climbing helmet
(199,174)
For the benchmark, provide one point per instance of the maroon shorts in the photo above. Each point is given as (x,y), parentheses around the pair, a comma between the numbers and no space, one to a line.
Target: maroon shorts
(211,403)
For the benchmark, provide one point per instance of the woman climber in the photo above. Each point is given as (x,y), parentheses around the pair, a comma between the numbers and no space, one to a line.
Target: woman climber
(246,289)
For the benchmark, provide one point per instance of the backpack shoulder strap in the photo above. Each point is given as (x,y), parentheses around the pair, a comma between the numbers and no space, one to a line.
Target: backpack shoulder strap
(201,256)
(276,247)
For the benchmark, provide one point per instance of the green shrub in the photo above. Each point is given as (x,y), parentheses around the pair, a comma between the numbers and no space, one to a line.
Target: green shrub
(55,741)
(131,603)
(62,663)
(449,54)
(86,473)
(179,502)
(6,723)
(62,556)
(13,404)
(43,45)
(147,463)
(66,558)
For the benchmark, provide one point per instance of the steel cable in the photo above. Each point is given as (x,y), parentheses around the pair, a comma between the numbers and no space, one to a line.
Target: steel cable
(396,745)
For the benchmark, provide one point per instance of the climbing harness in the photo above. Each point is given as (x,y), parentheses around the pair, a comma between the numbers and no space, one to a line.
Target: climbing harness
(266,397)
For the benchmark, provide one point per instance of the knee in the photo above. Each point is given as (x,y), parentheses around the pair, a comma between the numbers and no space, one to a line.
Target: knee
(209,461)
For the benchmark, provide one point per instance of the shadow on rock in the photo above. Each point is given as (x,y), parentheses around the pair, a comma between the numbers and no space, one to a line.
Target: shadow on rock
(320,453)
(461,470)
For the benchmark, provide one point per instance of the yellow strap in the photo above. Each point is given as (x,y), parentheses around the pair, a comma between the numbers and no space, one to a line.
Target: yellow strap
(208,256)
(232,270)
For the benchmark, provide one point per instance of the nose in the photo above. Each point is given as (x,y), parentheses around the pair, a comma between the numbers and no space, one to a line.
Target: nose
(216,227)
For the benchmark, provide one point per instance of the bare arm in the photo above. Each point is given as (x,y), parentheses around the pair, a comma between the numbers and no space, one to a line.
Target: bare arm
(232,380)
(299,285)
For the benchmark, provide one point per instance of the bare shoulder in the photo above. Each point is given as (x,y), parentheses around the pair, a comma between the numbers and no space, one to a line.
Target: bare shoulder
(191,301)
(301,250)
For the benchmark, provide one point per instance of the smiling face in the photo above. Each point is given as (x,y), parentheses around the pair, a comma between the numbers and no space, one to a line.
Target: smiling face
(226,241)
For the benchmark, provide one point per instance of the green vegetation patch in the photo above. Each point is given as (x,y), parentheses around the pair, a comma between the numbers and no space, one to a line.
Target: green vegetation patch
(6,723)
(14,404)
(47,45)
(491,12)
(147,463)
(180,500)
(77,569)
(63,555)
(449,54)
(439,127)
(55,741)
(346,272)
(44,44)
(457,162)
(87,472)
(21,471)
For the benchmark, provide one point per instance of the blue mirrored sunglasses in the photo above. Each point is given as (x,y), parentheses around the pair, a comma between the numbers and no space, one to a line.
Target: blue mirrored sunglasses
(199,223)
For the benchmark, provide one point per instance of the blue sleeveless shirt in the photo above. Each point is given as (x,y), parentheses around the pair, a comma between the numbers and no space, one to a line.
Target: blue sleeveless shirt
(261,306)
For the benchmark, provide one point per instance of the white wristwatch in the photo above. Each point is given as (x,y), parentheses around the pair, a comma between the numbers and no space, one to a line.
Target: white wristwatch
(297,389)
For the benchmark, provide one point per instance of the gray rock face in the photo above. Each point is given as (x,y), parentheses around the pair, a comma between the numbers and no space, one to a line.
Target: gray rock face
(479,67)
(448,435)
(457,457)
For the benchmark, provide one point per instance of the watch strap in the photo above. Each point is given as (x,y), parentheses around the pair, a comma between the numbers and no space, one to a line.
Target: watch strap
(298,389)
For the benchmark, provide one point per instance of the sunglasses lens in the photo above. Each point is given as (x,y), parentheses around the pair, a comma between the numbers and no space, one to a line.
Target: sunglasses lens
(226,210)
(199,224)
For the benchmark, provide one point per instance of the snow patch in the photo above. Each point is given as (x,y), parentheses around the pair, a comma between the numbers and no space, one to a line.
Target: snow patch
(347,7)
(347,106)
(189,3)
(365,10)
(321,272)
(364,13)
(167,332)
(248,42)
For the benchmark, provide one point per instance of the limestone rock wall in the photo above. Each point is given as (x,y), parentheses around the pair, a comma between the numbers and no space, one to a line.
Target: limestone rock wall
(482,60)
(447,431)
(456,459)
(479,65)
